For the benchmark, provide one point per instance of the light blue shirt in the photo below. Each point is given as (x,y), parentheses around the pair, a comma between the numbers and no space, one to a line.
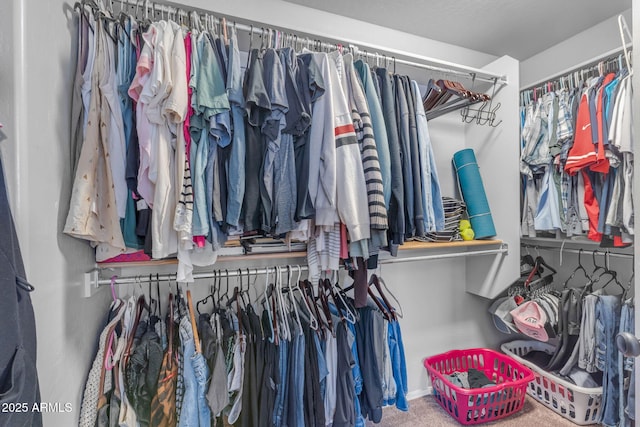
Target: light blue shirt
(432,200)
(379,127)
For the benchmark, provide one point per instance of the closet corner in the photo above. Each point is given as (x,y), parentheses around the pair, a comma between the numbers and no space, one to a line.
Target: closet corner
(497,155)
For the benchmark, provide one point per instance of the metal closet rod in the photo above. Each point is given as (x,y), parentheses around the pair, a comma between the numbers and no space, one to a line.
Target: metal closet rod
(127,280)
(224,273)
(584,251)
(260,28)
(586,65)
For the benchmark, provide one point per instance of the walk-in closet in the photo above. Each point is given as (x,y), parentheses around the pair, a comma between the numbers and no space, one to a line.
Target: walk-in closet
(283,212)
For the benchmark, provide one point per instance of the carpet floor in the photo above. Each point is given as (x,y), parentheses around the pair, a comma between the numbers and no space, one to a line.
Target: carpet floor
(426,412)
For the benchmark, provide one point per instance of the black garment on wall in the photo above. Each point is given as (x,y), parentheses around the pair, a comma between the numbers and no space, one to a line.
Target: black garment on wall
(18,374)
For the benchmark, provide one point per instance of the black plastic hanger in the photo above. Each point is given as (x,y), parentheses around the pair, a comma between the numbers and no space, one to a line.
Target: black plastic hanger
(537,269)
(613,278)
(153,303)
(307,288)
(326,283)
(211,295)
(581,268)
(526,263)
(159,305)
(324,304)
(596,267)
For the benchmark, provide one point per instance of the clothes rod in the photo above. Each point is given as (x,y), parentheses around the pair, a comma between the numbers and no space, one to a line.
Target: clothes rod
(92,280)
(223,273)
(501,250)
(417,61)
(586,64)
(596,251)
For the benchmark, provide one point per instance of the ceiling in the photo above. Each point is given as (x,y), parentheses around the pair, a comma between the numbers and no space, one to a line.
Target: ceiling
(517,28)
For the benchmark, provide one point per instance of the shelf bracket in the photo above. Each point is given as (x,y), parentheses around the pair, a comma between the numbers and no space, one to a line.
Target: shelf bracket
(91,283)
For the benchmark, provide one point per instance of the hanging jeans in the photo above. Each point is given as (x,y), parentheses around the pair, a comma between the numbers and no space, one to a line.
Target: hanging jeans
(357,376)
(195,410)
(631,399)
(607,317)
(627,401)
(355,370)
(398,364)
(432,198)
(283,360)
(296,386)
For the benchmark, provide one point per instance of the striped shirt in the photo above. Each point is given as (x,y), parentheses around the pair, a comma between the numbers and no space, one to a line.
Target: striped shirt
(368,150)
(371,166)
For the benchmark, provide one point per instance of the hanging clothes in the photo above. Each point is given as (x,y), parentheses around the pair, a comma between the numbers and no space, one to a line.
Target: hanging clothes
(18,375)
(96,383)
(571,132)
(289,358)
(93,213)
(588,315)
(198,149)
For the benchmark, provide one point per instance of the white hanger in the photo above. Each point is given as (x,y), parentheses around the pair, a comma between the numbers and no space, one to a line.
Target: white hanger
(284,328)
(624,28)
(350,316)
(293,303)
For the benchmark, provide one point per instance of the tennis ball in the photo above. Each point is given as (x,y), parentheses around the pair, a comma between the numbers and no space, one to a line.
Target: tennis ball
(467,234)
(464,224)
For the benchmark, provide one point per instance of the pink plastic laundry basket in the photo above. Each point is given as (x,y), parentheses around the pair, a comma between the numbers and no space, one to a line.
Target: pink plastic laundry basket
(481,405)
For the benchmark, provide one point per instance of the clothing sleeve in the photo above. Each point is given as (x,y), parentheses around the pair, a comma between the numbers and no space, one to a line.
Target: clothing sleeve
(155,89)
(177,102)
(212,96)
(322,153)
(369,153)
(151,38)
(352,204)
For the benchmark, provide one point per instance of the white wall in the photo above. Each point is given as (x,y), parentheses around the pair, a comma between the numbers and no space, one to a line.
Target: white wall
(40,36)
(439,315)
(7,97)
(636,176)
(497,154)
(312,21)
(578,49)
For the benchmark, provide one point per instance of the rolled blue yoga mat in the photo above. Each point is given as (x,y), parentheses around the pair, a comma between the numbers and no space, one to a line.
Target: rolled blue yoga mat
(473,193)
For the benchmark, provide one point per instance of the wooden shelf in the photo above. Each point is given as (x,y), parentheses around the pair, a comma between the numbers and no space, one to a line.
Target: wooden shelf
(415,245)
(407,246)
(225,258)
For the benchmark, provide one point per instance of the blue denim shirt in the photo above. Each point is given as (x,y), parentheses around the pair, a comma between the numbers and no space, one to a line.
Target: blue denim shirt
(195,410)
(432,200)
(398,365)
(607,324)
(404,139)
